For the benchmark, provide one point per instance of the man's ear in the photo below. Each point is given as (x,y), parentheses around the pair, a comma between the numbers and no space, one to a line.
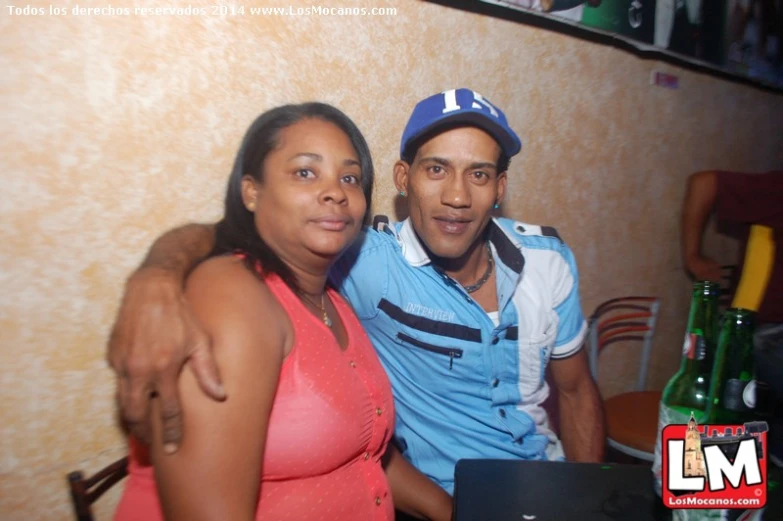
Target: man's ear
(249,192)
(502,184)
(401,171)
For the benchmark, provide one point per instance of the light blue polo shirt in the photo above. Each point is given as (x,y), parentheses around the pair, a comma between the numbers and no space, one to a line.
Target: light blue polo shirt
(463,386)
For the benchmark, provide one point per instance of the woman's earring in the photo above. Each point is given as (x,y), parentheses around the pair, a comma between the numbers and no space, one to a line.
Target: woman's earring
(402,193)
(497,206)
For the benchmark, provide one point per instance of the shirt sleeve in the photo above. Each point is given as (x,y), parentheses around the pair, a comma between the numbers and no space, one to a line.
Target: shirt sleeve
(750,198)
(572,326)
(361,274)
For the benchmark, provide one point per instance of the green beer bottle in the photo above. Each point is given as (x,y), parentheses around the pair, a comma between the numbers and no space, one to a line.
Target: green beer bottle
(688,390)
(732,396)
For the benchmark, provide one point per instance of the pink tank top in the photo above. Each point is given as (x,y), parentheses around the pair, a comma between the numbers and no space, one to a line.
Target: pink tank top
(331,421)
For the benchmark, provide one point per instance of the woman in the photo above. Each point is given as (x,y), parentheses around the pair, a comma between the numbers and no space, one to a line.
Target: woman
(304,432)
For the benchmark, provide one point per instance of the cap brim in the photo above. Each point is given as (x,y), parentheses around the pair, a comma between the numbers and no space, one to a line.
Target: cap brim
(509,144)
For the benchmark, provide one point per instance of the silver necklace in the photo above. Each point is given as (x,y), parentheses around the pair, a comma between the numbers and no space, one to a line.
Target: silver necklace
(484,278)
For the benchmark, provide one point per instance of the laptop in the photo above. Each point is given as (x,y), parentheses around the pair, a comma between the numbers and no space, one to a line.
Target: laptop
(517,490)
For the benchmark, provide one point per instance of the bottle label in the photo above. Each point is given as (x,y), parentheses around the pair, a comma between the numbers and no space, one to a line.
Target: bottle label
(694,347)
(734,395)
(749,395)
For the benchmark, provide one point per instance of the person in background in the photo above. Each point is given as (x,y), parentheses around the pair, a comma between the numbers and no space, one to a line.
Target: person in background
(754,202)
(466,311)
(304,432)
(567,9)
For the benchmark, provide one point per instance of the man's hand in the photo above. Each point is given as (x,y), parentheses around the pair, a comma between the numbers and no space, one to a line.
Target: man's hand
(154,336)
(703,268)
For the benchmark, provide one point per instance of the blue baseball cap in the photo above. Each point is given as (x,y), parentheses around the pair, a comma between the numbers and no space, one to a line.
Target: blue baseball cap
(456,106)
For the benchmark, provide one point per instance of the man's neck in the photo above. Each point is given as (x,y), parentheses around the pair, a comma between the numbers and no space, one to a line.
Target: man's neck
(468,268)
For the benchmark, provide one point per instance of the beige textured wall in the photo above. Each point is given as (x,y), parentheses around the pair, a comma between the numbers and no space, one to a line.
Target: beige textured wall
(117,128)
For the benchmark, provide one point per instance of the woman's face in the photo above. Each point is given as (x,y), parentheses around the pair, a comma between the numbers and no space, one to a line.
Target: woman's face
(309,204)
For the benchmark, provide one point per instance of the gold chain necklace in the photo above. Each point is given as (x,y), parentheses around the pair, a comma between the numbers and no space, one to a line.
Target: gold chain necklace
(327,320)
(322,308)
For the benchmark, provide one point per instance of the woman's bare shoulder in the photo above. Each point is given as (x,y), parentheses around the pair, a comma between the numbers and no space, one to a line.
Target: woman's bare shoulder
(230,300)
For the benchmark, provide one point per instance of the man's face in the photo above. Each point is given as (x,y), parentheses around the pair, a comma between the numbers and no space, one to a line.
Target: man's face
(452,186)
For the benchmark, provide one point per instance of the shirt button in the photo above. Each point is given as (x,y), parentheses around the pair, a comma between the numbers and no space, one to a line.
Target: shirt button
(378,411)
(366,456)
(352,363)
(377,500)
(495,382)
(502,413)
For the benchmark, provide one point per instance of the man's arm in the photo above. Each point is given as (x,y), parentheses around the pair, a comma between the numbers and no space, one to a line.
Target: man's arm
(155,334)
(179,250)
(581,414)
(413,492)
(697,206)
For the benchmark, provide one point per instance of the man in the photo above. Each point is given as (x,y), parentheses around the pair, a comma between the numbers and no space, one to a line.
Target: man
(567,9)
(746,199)
(753,201)
(465,311)
(665,14)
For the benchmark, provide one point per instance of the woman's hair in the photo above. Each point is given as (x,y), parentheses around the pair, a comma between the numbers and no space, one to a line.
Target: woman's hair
(237,229)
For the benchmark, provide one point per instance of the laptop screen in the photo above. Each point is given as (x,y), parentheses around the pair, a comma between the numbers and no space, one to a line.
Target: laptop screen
(497,490)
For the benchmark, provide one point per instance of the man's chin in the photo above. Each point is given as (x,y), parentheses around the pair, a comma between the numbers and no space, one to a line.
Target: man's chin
(449,249)
(447,245)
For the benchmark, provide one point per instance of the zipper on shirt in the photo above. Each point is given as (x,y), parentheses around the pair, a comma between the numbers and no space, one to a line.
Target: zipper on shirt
(452,353)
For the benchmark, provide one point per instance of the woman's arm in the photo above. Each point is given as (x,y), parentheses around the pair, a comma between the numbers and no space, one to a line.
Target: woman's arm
(155,334)
(216,473)
(413,492)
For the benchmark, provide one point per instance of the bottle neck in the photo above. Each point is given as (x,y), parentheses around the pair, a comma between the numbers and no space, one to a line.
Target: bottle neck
(739,322)
(734,367)
(703,366)
(702,332)
(734,355)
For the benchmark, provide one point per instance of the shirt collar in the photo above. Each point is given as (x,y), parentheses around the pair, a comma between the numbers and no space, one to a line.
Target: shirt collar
(506,247)
(412,248)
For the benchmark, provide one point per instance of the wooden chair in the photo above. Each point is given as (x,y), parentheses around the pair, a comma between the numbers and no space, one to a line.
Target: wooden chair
(631,417)
(85,492)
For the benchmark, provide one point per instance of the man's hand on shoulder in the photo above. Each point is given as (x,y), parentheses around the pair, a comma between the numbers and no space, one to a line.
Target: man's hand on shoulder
(153,337)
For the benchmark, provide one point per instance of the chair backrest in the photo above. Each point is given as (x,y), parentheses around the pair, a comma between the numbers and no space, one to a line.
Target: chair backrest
(624,319)
(86,491)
